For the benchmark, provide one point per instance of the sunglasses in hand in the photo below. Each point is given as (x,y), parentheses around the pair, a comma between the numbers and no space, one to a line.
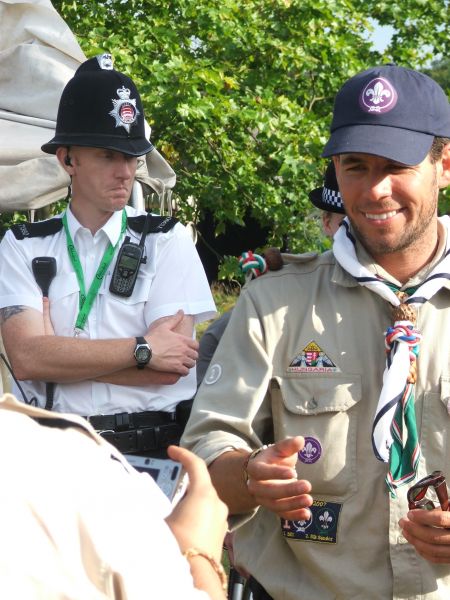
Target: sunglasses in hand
(419,497)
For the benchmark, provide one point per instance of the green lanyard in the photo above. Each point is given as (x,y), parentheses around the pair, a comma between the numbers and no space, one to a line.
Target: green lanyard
(87,300)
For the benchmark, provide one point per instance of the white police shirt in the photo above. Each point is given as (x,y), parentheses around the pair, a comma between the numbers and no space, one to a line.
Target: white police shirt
(173,278)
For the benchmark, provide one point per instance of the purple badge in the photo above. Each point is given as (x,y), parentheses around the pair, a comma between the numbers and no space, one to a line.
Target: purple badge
(378,96)
(311,452)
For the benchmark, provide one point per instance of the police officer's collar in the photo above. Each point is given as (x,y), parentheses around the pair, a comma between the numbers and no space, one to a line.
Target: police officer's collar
(111,228)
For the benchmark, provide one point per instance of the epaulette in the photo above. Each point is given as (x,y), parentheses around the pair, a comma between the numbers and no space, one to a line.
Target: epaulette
(276,259)
(305,257)
(22,231)
(38,229)
(157,224)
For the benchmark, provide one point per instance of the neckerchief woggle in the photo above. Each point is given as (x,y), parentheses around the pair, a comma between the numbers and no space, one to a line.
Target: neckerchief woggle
(394,435)
(86,301)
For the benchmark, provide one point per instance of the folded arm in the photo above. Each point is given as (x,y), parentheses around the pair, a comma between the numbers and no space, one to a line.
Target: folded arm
(36,354)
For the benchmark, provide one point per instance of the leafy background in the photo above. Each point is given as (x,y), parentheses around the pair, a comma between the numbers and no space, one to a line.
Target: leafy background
(239,93)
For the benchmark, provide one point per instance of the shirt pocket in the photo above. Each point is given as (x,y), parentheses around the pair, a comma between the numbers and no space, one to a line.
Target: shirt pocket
(434,429)
(64,301)
(121,316)
(140,294)
(324,410)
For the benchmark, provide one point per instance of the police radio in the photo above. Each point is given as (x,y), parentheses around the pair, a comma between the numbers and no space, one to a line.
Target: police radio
(127,265)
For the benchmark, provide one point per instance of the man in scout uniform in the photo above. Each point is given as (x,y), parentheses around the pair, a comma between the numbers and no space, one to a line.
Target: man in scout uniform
(115,340)
(315,462)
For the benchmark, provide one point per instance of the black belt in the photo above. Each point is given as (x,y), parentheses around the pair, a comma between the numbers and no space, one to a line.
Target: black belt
(144,439)
(126,421)
(144,431)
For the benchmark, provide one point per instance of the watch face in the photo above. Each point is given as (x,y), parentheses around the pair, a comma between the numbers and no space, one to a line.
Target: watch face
(142,354)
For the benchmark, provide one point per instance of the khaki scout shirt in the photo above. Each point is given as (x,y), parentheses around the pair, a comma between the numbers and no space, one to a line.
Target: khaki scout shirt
(265,383)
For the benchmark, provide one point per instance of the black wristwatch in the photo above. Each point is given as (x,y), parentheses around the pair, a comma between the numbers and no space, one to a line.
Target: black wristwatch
(142,352)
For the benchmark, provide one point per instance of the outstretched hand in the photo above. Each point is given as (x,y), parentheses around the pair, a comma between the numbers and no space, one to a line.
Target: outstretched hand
(273,483)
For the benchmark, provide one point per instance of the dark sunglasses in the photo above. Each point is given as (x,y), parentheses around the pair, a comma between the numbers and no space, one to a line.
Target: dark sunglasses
(417,492)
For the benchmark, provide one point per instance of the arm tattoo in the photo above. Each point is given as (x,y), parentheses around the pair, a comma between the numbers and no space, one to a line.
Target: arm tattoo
(10,311)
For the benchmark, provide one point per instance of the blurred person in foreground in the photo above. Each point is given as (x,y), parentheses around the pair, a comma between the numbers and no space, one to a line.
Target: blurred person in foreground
(79,522)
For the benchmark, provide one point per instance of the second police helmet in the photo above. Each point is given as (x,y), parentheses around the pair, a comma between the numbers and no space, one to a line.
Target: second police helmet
(100,108)
(328,196)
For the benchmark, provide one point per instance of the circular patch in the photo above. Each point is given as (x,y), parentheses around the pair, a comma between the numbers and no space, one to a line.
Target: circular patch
(301,526)
(378,96)
(311,452)
(213,374)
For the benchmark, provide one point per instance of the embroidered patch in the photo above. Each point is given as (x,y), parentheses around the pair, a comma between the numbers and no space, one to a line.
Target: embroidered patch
(124,111)
(378,96)
(213,374)
(312,359)
(312,451)
(320,527)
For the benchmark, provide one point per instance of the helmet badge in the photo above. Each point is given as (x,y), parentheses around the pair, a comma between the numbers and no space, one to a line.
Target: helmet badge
(125,111)
(105,61)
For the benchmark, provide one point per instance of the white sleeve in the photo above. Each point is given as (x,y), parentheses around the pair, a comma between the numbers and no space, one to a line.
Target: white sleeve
(180,281)
(17,284)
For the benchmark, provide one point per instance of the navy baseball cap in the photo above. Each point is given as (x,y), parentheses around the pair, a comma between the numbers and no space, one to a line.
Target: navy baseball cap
(389,111)
(328,196)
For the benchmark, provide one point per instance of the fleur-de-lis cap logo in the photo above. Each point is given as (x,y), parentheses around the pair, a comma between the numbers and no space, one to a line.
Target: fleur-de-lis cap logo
(378,96)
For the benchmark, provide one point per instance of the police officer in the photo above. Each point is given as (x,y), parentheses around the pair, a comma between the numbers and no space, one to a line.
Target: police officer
(115,340)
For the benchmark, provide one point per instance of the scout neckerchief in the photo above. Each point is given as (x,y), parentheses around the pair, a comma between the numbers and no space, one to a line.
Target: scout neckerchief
(394,433)
(87,300)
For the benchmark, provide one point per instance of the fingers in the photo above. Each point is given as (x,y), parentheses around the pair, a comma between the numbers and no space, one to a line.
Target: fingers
(273,480)
(428,532)
(171,321)
(289,446)
(48,327)
(430,518)
(289,500)
(277,461)
(194,466)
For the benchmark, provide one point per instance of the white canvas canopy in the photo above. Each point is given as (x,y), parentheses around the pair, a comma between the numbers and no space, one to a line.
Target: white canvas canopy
(38,55)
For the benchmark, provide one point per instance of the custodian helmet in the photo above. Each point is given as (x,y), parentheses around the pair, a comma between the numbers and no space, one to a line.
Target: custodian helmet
(328,196)
(100,108)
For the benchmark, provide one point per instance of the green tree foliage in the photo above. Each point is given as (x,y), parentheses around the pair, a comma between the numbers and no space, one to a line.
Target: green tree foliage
(440,71)
(239,93)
